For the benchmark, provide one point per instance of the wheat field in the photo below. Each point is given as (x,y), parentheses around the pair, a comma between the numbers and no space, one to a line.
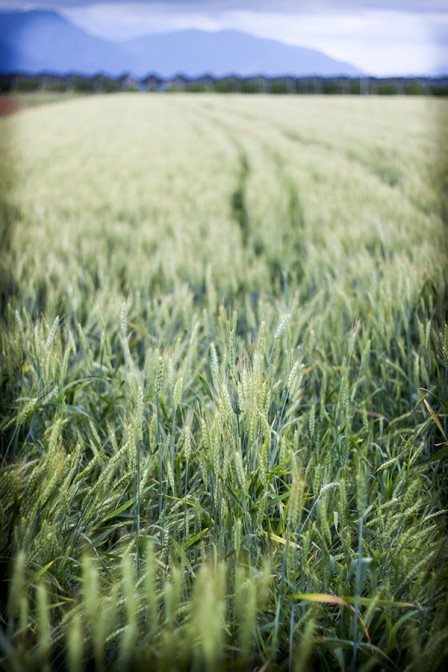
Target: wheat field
(224,384)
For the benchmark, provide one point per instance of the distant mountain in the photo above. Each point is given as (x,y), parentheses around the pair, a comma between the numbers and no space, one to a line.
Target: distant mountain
(44,40)
(194,52)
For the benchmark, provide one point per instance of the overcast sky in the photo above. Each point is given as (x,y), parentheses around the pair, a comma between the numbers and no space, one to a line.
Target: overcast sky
(382,37)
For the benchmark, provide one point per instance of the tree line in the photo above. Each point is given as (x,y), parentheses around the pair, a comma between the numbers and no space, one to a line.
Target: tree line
(21,82)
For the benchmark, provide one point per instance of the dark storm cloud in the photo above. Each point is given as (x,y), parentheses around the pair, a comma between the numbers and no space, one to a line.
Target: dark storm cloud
(287,6)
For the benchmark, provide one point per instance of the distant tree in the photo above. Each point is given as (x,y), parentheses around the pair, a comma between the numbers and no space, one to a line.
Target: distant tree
(27,84)
(84,85)
(279,86)
(414,89)
(384,88)
(331,86)
(354,87)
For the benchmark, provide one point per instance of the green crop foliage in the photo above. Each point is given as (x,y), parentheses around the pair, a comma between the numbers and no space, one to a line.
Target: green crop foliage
(224,370)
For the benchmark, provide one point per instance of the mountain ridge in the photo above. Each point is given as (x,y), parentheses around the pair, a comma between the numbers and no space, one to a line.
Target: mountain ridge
(231,51)
(35,40)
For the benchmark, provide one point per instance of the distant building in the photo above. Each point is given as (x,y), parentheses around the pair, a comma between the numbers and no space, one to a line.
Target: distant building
(128,82)
(151,83)
(177,83)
